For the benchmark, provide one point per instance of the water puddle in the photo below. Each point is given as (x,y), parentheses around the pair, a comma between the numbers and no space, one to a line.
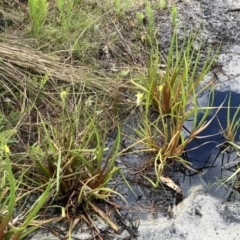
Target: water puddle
(207,157)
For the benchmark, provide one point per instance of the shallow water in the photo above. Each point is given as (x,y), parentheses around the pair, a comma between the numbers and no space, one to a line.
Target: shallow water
(206,155)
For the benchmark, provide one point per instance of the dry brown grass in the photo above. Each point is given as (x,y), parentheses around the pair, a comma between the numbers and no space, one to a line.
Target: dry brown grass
(18,61)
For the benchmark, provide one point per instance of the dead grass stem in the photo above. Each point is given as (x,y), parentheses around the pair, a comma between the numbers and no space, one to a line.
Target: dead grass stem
(17,62)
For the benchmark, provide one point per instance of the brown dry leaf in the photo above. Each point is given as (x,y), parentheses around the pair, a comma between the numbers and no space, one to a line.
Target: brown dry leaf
(104,216)
(169,182)
(74,223)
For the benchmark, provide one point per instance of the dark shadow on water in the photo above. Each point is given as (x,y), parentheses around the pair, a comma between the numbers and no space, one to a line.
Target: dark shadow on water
(208,157)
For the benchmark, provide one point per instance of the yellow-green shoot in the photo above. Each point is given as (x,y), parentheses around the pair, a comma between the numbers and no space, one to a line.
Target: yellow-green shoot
(38,13)
(163,4)
(151,18)
(174,15)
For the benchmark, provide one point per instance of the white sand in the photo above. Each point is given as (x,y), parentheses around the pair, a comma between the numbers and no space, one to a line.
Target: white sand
(199,217)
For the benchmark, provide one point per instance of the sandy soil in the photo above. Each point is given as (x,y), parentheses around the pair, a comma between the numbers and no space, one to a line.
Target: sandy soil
(198,217)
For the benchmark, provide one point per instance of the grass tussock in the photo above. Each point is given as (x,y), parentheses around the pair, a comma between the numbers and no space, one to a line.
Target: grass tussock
(171,94)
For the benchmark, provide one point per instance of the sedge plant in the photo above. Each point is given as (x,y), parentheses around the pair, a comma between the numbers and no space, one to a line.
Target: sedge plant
(233,124)
(172,94)
(163,90)
(231,143)
(9,197)
(74,154)
(7,186)
(166,140)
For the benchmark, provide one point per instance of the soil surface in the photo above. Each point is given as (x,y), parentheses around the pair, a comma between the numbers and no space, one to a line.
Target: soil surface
(199,216)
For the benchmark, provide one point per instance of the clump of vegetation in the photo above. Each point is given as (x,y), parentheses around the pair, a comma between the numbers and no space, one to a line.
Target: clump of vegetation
(231,145)
(173,94)
(233,124)
(10,226)
(65,158)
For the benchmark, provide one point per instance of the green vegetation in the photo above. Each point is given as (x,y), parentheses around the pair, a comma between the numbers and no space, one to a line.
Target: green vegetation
(38,14)
(8,196)
(172,94)
(230,144)
(233,124)
(69,79)
(163,4)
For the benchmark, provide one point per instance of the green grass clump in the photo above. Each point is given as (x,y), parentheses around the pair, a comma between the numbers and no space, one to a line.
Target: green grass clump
(10,226)
(233,124)
(172,94)
(72,153)
(231,145)
(68,26)
(64,157)
(6,177)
